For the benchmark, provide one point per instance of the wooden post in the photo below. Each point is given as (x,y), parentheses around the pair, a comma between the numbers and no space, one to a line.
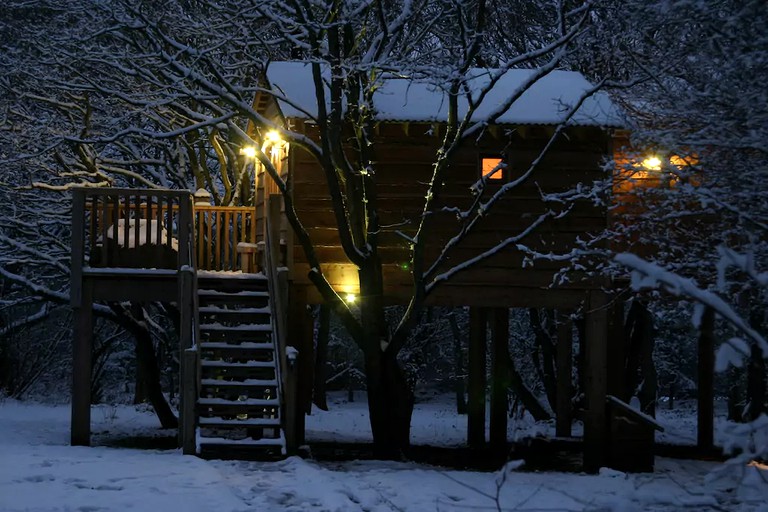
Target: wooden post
(596,359)
(188,375)
(617,356)
(290,409)
(300,336)
(189,382)
(705,420)
(476,384)
(81,367)
(186,231)
(78,247)
(564,359)
(499,378)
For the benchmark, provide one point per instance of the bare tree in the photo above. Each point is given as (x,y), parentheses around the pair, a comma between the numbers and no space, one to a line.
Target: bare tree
(158,95)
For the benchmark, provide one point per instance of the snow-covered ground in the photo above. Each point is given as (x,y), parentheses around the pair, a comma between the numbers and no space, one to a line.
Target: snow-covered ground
(39,472)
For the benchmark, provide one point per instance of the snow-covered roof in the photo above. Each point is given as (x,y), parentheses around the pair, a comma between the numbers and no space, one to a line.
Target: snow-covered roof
(414,100)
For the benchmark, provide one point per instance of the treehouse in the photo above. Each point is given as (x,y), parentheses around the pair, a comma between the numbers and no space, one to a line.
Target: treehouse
(239,278)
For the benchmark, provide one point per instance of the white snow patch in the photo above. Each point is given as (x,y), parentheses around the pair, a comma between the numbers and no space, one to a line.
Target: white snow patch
(40,472)
(403,99)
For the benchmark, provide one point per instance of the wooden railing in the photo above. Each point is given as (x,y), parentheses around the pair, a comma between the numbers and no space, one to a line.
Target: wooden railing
(133,228)
(219,230)
(148,222)
(277,278)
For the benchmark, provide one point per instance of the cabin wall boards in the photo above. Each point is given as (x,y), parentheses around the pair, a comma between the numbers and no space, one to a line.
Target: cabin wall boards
(404,154)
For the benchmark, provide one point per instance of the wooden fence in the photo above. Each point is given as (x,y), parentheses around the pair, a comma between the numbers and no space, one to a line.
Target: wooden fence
(218,230)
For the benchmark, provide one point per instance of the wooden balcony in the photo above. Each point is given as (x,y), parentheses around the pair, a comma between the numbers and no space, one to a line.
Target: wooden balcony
(158,229)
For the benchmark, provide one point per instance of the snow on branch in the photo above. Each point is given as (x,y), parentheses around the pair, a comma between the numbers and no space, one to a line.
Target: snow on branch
(646,275)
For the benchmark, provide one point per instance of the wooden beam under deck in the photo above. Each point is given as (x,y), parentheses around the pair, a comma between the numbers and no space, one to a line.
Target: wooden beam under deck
(140,285)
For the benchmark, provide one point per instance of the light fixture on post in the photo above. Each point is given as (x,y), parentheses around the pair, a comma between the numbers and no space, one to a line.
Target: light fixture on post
(273,138)
(248,152)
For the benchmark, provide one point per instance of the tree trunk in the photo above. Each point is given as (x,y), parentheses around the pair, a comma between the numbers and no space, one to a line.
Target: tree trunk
(139,390)
(734,394)
(146,359)
(525,395)
(649,387)
(756,385)
(390,397)
(543,338)
(756,377)
(390,404)
(458,361)
(321,357)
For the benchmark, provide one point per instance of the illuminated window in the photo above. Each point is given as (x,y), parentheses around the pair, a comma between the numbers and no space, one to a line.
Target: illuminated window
(492,166)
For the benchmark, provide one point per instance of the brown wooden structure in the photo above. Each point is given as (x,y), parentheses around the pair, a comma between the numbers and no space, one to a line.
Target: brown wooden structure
(237,374)
(630,436)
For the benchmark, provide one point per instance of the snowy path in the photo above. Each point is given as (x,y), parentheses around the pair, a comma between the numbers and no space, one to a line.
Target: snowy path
(39,472)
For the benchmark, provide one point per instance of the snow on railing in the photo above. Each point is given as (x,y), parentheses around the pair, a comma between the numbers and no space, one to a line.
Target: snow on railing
(149,222)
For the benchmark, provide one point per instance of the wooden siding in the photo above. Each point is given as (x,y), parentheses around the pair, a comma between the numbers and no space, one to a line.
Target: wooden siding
(405,153)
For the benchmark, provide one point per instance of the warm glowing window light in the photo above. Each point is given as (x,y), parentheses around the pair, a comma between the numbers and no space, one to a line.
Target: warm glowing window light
(491,168)
(248,152)
(683,161)
(652,163)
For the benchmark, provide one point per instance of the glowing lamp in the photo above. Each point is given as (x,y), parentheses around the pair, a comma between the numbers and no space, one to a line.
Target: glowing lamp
(350,298)
(248,152)
(652,163)
(272,137)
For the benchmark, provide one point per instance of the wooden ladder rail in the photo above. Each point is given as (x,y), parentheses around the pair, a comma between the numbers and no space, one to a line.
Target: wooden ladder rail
(277,279)
(189,336)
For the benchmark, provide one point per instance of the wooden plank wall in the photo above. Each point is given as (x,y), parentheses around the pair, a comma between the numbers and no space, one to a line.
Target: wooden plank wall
(405,155)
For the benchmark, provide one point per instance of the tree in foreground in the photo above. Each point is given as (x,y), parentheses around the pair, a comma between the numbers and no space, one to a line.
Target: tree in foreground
(159,96)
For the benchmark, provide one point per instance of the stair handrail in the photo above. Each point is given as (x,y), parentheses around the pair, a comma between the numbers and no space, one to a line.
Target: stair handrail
(277,280)
(189,334)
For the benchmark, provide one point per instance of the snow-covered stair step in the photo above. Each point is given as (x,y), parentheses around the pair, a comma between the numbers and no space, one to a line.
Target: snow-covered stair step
(250,345)
(248,422)
(256,299)
(248,402)
(236,328)
(206,292)
(247,383)
(277,442)
(219,274)
(248,364)
(214,310)
(246,332)
(226,364)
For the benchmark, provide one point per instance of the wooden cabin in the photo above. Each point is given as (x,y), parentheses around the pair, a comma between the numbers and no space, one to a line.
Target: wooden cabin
(243,388)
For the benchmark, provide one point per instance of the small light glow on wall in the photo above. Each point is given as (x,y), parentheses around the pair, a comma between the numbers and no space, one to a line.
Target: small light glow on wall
(490,168)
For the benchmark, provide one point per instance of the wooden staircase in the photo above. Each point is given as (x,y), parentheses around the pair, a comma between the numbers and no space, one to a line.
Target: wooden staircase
(238,407)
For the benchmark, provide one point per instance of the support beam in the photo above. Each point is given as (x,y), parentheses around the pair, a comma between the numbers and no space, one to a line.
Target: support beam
(189,382)
(478,318)
(617,354)
(596,359)
(564,358)
(188,355)
(499,378)
(706,370)
(300,336)
(81,367)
